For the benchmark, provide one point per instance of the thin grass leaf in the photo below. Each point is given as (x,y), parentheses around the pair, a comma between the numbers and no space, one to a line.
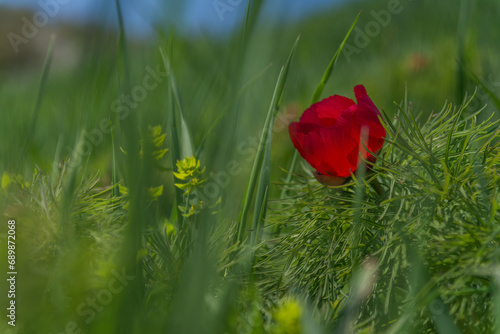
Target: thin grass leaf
(262,191)
(452,130)
(181,140)
(41,90)
(266,136)
(66,225)
(122,47)
(130,301)
(252,14)
(362,284)
(326,76)
(56,163)
(461,58)
(114,172)
(185,146)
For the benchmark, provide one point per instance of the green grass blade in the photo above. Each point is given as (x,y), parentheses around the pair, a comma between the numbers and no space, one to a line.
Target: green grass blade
(131,299)
(41,90)
(262,191)
(326,76)
(55,164)
(461,33)
(185,148)
(359,196)
(122,47)
(251,16)
(114,175)
(362,285)
(181,140)
(452,131)
(266,135)
(176,214)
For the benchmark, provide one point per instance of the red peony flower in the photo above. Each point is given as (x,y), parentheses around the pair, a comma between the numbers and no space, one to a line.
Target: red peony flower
(328,135)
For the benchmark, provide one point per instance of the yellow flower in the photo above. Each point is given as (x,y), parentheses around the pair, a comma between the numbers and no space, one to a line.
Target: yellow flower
(5,180)
(169,227)
(190,173)
(189,167)
(9,179)
(155,192)
(157,139)
(288,317)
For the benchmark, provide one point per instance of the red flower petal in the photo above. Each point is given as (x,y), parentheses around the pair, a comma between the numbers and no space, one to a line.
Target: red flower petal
(336,159)
(327,111)
(327,149)
(298,132)
(328,135)
(310,116)
(330,109)
(368,114)
(360,91)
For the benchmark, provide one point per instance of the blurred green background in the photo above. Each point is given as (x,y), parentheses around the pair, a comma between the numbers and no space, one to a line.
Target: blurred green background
(225,76)
(420,47)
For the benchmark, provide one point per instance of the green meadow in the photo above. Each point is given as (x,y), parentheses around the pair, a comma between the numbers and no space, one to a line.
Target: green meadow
(149,185)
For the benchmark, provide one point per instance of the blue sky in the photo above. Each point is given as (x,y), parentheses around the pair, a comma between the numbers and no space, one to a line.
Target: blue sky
(214,16)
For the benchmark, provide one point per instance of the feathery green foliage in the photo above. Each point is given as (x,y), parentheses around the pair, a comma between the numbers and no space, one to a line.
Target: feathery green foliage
(152,240)
(441,196)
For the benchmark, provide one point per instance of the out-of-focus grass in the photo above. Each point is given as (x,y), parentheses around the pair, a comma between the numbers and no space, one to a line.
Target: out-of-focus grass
(418,46)
(103,262)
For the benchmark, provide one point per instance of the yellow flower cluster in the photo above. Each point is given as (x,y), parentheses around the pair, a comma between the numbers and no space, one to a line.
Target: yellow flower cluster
(288,317)
(189,171)
(189,168)
(156,138)
(9,179)
(153,192)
